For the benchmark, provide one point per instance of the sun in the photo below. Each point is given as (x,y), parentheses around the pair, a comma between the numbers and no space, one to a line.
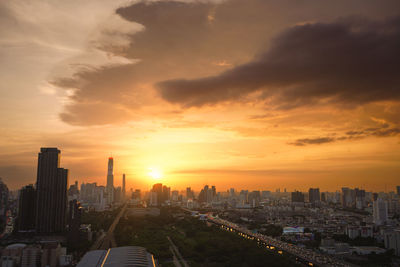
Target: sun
(155,173)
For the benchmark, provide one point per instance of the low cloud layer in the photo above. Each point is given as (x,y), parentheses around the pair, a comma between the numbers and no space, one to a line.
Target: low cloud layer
(384,131)
(351,61)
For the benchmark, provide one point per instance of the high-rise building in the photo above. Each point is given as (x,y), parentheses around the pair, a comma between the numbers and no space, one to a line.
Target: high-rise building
(123,187)
(26,208)
(74,221)
(158,189)
(380,211)
(3,198)
(314,195)
(51,197)
(398,190)
(297,197)
(110,181)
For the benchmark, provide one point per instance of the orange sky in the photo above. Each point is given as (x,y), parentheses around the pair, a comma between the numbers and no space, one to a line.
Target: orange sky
(253,94)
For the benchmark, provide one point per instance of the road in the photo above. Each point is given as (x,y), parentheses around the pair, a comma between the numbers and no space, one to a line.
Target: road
(177,255)
(107,240)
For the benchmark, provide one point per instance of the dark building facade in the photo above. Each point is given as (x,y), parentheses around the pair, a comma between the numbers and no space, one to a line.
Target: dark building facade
(314,195)
(51,197)
(297,197)
(26,208)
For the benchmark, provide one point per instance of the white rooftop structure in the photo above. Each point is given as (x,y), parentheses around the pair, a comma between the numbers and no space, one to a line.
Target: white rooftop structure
(118,257)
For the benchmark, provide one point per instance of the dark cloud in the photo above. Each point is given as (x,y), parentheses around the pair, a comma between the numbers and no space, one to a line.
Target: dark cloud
(189,40)
(351,61)
(350,135)
(313,141)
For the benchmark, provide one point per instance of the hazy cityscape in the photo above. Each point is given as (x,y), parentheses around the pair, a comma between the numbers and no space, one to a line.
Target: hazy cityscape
(52,223)
(199,133)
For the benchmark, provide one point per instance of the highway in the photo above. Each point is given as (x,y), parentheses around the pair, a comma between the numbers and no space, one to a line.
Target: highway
(107,240)
(303,255)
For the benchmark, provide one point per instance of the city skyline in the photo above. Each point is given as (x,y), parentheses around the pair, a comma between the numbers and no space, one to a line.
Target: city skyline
(254,94)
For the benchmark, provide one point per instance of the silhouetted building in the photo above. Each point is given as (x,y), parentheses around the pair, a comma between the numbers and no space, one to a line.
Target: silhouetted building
(51,198)
(73,190)
(398,190)
(110,181)
(26,208)
(74,221)
(314,195)
(166,194)
(3,198)
(380,211)
(323,197)
(297,197)
(158,190)
(123,187)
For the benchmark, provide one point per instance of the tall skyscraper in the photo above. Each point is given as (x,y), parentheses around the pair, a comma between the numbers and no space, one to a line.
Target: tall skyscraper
(110,181)
(51,198)
(26,208)
(3,198)
(123,187)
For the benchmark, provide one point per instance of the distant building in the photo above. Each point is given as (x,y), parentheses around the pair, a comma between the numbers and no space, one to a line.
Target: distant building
(392,241)
(123,188)
(26,208)
(380,211)
(51,198)
(3,198)
(398,190)
(120,256)
(297,197)
(314,195)
(74,221)
(110,181)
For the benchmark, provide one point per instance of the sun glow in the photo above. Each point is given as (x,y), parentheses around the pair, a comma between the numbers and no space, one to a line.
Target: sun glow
(155,173)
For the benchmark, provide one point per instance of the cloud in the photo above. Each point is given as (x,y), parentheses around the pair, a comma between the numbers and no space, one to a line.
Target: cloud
(313,141)
(352,61)
(350,135)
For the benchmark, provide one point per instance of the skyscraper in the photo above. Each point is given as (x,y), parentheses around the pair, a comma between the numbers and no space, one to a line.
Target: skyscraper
(398,190)
(110,181)
(51,198)
(26,208)
(123,187)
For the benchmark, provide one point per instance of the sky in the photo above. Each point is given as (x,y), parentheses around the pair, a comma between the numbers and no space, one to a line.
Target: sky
(250,94)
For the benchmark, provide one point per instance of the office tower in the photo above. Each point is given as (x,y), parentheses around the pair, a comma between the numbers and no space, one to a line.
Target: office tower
(380,211)
(347,197)
(110,181)
(153,198)
(166,193)
(323,197)
(117,194)
(175,195)
(189,193)
(158,190)
(26,208)
(314,195)
(51,194)
(74,221)
(123,187)
(73,190)
(3,198)
(360,198)
(297,197)
(137,194)
(254,198)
